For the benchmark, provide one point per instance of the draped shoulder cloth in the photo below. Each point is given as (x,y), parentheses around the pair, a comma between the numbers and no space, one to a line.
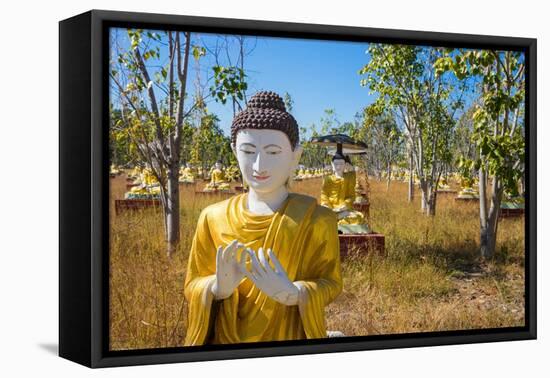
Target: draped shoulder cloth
(303,236)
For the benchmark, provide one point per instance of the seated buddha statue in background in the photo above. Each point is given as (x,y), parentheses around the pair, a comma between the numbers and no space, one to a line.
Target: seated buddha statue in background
(186,174)
(468,188)
(217,179)
(148,188)
(336,194)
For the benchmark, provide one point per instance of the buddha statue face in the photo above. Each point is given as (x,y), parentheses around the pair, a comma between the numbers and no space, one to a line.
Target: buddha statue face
(218,165)
(338,166)
(266,158)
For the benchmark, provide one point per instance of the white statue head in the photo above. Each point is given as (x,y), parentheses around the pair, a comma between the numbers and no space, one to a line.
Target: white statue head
(265,141)
(266,158)
(218,165)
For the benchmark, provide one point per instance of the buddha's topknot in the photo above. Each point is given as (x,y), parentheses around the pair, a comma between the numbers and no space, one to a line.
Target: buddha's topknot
(266,110)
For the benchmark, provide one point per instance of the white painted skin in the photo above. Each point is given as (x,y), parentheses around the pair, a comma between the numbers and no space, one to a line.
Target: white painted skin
(267,161)
(338,167)
(218,165)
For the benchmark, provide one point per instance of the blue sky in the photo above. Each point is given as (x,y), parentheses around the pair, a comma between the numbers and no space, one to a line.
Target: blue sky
(317,74)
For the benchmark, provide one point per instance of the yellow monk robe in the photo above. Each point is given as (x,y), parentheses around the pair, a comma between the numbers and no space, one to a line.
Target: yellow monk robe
(336,194)
(149,178)
(217,176)
(302,235)
(187,171)
(350,181)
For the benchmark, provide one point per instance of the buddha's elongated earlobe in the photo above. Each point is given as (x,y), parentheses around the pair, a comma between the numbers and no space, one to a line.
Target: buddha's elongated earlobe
(297,154)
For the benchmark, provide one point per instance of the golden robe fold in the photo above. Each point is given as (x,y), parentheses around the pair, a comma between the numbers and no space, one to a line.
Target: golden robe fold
(303,236)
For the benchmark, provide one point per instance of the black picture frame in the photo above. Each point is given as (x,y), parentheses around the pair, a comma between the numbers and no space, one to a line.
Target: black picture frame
(84,188)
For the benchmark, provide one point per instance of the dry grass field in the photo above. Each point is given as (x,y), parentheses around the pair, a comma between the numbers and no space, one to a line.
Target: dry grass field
(430,279)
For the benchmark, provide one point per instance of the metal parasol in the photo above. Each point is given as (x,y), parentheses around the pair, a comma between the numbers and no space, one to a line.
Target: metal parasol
(340,143)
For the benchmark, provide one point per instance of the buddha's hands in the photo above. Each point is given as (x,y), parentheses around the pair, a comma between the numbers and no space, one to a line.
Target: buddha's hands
(228,271)
(273,282)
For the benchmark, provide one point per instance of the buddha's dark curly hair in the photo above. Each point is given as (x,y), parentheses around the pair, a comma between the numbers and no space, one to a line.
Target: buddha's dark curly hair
(266,110)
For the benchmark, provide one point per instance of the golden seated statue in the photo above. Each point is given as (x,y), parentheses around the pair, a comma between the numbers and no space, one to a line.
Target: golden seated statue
(217,180)
(148,188)
(187,176)
(468,188)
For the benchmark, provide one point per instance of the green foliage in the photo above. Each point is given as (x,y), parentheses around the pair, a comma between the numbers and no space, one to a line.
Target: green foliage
(135,123)
(420,102)
(209,144)
(228,82)
(497,120)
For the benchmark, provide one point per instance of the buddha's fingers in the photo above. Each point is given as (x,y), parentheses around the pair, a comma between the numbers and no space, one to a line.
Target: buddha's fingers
(264,263)
(278,267)
(232,256)
(256,265)
(229,250)
(219,257)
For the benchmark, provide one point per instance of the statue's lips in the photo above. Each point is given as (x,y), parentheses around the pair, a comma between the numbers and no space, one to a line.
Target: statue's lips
(261,178)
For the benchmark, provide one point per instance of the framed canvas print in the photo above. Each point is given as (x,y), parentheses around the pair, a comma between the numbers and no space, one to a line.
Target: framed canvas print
(235,188)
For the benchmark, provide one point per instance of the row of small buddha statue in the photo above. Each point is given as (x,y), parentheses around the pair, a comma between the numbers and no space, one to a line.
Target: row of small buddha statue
(306,173)
(219,177)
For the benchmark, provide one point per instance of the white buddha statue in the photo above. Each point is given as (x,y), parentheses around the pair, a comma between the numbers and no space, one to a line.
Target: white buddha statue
(264,264)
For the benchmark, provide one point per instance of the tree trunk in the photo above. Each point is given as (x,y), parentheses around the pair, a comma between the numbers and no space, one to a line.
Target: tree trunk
(489,222)
(388,178)
(171,210)
(432,201)
(411,178)
(424,195)
(428,199)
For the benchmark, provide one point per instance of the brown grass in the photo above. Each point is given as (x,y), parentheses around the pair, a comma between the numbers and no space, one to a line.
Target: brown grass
(430,279)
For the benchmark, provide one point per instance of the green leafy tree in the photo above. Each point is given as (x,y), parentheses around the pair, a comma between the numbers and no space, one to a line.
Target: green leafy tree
(149,85)
(421,103)
(498,128)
